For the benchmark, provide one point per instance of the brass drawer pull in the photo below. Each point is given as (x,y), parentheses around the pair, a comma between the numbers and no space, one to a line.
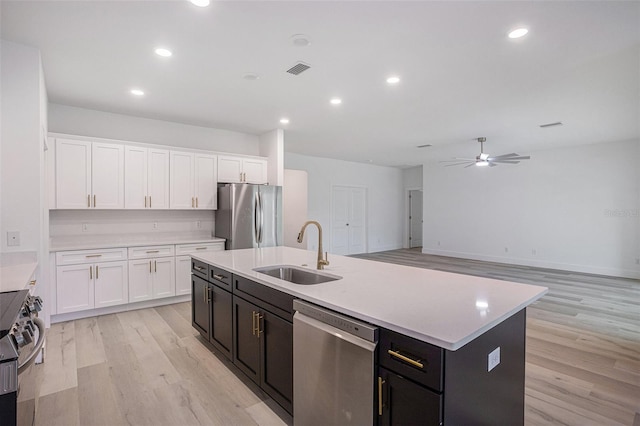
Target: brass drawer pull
(253,322)
(260,324)
(88,200)
(199,268)
(94,200)
(201,248)
(380,383)
(145,201)
(219,277)
(97,277)
(93,255)
(153,251)
(406,359)
(90,272)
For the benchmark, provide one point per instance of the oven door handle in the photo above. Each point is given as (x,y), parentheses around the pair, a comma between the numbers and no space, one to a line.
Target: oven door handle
(36,348)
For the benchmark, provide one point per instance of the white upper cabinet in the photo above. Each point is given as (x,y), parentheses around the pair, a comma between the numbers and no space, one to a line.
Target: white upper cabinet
(89,175)
(193,181)
(146,178)
(242,170)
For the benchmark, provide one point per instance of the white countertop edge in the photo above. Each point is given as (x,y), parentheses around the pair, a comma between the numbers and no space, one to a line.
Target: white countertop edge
(72,246)
(16,277)
(274,283)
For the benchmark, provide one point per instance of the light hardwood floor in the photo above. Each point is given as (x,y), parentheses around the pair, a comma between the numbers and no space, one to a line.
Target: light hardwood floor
(150,367)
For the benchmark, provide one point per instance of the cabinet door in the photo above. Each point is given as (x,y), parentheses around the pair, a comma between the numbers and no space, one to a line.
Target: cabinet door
(135,177)
(140,283)
(158,179)
(221,319)
(276,369)
(164,277)
(200,305)
(107,176)
(205,181)
(181,180)
(73,174)
(229,169)
(255,170)
(246,349)
(74,288)
(407,403)
(111,284)
(183,275)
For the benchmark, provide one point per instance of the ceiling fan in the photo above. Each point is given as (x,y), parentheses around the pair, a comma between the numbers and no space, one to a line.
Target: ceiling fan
(484,159)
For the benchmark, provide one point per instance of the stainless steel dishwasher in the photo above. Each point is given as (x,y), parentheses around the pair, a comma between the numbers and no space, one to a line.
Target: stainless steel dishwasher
(333,368)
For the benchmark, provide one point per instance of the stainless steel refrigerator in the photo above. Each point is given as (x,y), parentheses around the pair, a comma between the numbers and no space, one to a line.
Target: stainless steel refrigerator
(249,215)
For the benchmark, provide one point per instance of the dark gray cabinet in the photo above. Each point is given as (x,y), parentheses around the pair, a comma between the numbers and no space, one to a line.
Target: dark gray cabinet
(200,305)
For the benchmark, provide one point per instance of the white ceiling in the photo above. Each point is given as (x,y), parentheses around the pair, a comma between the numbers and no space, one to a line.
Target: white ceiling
(461,76)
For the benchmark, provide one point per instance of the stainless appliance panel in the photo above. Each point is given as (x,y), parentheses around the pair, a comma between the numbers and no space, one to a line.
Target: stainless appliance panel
(333,375)
(270,230)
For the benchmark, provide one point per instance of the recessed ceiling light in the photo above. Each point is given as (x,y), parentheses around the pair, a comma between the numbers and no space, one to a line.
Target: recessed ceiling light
(161,51)
(200,3)
(251,76)
(284,120)
(300,40)
(336,101)
(137,92)
(393,80)
(519,32)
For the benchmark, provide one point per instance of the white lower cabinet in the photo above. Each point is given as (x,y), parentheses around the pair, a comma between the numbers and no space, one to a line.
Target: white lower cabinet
(183,263)
(151,278)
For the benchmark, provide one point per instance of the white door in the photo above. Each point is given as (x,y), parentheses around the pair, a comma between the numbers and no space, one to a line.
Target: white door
(255,170)
(164,277)
(181,181)
(140,283)
(135,177)
(74,288)
(73,174)
(107,176)
(229,169)
(158,179)
(415,218)
(348,220)
(183,275)
(111,284)
(206,182)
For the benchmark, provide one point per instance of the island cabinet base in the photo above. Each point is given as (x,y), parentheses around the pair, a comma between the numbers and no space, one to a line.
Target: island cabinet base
(481,383)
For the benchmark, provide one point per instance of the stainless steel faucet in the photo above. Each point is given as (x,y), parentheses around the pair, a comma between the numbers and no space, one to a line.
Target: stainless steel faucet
(322,261)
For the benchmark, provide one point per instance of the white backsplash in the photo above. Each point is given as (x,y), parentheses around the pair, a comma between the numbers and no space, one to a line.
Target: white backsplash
(65,223)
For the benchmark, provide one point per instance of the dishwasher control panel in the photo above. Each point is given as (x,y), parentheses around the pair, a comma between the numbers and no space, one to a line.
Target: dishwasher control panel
(334,319)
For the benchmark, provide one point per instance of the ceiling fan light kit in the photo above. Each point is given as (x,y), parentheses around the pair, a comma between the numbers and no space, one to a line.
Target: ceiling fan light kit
(483,159)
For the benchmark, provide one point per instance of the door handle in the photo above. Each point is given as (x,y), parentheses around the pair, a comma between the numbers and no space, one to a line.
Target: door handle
(149,201)
(380,405)
(145,201)
(90,272)
(97,272)
(397,354)
(256,208)
(260,324)
(253,322)
(155,266)
(149,266)
(219,277)
(88,200)
(196,202)
(94,200)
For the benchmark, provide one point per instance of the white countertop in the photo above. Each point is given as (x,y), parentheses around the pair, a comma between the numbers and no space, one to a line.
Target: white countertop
(82,242)
(441,308)
(16,269)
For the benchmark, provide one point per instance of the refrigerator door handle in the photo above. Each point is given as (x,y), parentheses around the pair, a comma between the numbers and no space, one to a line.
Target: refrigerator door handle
(256,212)
(261,217)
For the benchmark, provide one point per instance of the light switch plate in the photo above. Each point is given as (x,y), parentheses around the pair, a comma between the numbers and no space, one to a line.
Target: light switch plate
(493,359)
(13,238)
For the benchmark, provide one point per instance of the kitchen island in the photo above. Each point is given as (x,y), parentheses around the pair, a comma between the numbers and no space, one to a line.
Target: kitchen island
(470,329)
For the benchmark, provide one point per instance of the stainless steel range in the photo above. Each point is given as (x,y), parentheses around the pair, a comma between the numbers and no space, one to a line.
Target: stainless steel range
(20,329)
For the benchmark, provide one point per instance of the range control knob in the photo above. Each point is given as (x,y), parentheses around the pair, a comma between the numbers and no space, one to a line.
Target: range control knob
(34,303)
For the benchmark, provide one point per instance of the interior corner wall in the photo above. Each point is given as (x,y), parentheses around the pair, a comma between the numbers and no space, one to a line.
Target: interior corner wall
(87,122)
(412,177)
(272,147)
(573,208)
(384,198)
(21,146)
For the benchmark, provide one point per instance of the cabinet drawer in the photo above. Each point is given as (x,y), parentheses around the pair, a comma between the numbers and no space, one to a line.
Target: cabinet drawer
(200,269)
(182,249)
(274,297)
(90,256)
(220,277)
(151,251)
(411,358)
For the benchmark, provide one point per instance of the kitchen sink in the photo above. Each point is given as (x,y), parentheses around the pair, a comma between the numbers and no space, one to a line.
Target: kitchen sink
(296,275)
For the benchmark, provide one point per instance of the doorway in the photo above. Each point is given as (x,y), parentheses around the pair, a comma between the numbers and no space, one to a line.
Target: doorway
(415,218)
(348,220)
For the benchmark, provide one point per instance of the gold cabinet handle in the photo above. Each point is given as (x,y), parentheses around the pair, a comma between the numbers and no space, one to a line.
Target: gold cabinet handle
(32,282)
(193,201)
(380,383)
(97,269)
(94,200)
(93,255)
(219,277)
(253,322)
(90,272)
(145,201)
(406,359)
(149,201)
(260,324)
(201,248)
(153,251)
(88,200)
(149,266)
(196,202)
(155,266)
(240,176)
(199,268)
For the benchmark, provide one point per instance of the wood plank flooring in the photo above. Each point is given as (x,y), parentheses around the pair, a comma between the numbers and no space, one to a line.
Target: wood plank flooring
(583,340)
(150,367)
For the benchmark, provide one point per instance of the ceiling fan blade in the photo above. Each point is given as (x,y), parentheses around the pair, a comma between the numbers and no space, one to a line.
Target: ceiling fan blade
(513,154)
(457,164)
(472,164)
(457,159)
(504,161)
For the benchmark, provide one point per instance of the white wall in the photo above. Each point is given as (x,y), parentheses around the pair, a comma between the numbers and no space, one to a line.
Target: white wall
(412,178)
(384,197)
(573,208)
(272,147)
(294,206)
(86,122)
(22,151)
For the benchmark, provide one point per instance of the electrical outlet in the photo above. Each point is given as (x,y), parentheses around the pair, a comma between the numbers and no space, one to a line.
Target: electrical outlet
(85,227)
(13,238)
(198,224)
(493,359)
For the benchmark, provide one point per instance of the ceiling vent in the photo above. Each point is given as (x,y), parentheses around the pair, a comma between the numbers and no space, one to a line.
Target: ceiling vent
(298,68)
(557,123)
(424,146)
